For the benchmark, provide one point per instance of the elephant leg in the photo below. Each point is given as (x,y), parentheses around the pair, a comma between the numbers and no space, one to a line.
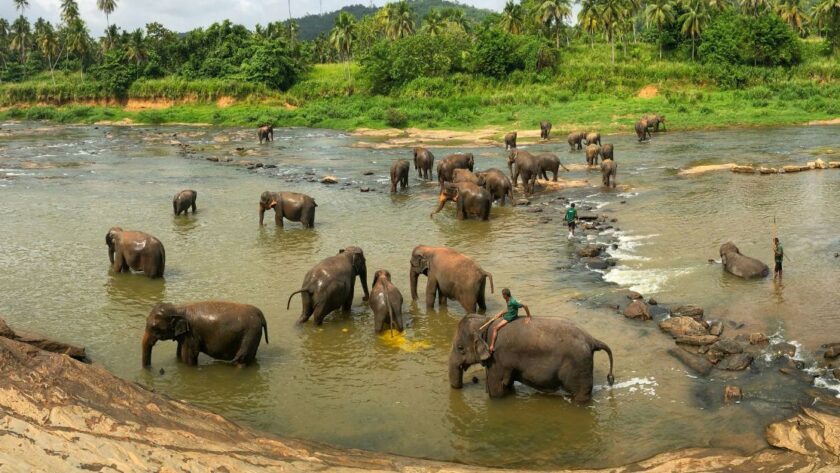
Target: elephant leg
(193,208)
(119,262)
(480,300)
(442,298)
(431,291)
(555,176)
(278,217)
(188,353)
(308,307)
(248,349)
(307,217)
(320,313)
(498,380)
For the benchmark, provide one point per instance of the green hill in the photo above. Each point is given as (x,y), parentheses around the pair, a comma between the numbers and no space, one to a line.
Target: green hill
(313,25)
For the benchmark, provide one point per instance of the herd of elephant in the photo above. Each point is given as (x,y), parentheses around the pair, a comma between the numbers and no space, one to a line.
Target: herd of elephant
(558,355)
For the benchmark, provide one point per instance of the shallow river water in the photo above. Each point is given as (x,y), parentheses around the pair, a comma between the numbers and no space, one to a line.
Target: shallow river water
(61,188)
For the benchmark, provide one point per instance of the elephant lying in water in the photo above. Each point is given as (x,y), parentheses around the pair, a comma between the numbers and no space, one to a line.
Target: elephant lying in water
(740,265)
(135,250)
(223,330)
(330,284)
(546,354)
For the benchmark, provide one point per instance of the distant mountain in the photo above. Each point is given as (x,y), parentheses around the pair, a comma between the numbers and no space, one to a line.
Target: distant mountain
(312,25)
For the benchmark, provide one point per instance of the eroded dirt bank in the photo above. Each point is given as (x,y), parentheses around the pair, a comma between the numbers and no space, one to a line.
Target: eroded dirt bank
(57,414)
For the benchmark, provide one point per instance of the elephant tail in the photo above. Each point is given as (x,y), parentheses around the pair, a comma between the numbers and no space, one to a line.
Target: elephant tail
(490,276)
(161,260)
(599,345)
(264,326)
(390,312)
(289,302)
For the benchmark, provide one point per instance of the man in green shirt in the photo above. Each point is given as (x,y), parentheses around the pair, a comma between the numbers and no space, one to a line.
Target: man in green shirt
(510,314)
(571,217)
(779,256)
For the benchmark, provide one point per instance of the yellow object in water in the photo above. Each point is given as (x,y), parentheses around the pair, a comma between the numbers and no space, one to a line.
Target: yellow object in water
(398,340)
(345,330)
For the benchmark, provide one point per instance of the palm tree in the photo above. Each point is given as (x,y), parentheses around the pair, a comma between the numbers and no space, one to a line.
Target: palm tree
(827,13)
(342,37)
(434,23)
(612,14)
(399,20)
(552,13)
(513,17)
(107,7)
(588,19)
(792,13)
(753,5)
(47,43)
(77,42)
(457,18)
(4,40)
(719,5)
(109,42)
(20,36)
(69,11)
(659,13)
(21,5)
(135,49)
(694,20)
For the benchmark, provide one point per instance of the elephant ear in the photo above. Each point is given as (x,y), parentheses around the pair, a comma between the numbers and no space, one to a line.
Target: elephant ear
(181,327)
(481,348)
(375,278)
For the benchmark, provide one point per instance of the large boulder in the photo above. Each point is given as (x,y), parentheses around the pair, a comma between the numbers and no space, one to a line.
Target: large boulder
(723,348)
(697,363)
(590,251)
(737,362)
(637,310)
(44,343)
(683,327)
(811,433)
(740,265)
(693,311)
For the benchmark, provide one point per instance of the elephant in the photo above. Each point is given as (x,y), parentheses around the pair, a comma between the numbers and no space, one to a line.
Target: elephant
(497,183)
(386,302)
(527,166)
(464,175)
(654,121)
(593,137)
(451,275)
(608,170)
(399,174)
(575,140)
(183,201)
(290,205)
(607,151)
(642,130)
(510,140)
(423,162)
(330,284)
(449,164)
(470,199)
(740,265)
(266,133)
(545,129)
(223,330)
(132,250)
(550,163)
(592,152)
(546,354)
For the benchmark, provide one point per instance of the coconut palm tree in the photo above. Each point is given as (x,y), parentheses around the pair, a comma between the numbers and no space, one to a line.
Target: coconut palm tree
(47,42)
(4,40)
(552,13)
(69,11)
(792,13)
(20,36)
(77,41)
(135,49)
(693,21)
(754,6)
(612,14)
(719,5)
(513,18)
(588,19)
(457,18)
(659,13)
(827,13)
(342,37)
(399,20)
(107,7)
(434,23)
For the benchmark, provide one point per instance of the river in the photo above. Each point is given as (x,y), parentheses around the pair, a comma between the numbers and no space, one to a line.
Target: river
(62,187)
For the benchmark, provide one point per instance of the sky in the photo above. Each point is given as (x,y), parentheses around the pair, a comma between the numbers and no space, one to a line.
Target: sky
(184,15)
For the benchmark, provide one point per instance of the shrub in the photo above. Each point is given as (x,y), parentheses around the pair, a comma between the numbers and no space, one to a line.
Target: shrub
(396,118)
(116,74)
(274,65)
(740,39)
(495,53)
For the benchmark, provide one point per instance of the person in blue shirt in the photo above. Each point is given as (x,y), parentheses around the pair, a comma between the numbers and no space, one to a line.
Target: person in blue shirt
(509,314)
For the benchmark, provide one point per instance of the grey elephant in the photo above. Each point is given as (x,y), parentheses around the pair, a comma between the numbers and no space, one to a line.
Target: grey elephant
(593,137)
(470,199)
(497,183)
(575,140)
(330,285)
(292,206)
(654,121)
(451,275)
(592,152)
(545,129)
(424,161)
(549,162)
(524,164)
(184,201)
(464,175)
(608,172)
(546,354)
(740,265)
(265,133)
(642,130)
(447,166)
(386,303)
(399,174)
(223,330)
(510,140)
(607,151)
(132,250)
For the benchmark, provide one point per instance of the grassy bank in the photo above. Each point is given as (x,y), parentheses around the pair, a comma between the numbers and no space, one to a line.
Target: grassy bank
(588,93)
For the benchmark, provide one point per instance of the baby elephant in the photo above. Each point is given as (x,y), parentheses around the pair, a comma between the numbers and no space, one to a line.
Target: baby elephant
(223,330)
(139,251)
(183,201)
(399,174)
(386,303)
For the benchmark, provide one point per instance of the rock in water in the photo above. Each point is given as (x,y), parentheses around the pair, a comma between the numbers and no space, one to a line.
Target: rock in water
(682,327)
(637,310)
(693,311)
(697,363)
(329,180)
(723,348)
(758,338)
(732,394)
(697,340)
(716,328)
(633,296)
(737,362)
(744,169)
(589,251)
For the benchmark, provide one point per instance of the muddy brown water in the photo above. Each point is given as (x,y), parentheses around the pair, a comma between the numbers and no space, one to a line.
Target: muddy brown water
(60,191)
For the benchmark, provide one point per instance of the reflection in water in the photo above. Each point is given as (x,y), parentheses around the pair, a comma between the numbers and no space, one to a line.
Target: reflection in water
(135,291)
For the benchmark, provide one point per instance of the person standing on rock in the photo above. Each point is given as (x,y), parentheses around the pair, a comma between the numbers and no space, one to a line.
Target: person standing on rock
(779,256)
(571,218)
(510,314)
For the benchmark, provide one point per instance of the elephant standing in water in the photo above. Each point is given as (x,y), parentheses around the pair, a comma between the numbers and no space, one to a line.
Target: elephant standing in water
(575,140)
(291,205)
(451,275)
(399,174)
(510,140)
(183,201)
(740,265)
(386,303)
(132,250)
(330,284)
(550,163)
(642,130)
(545,129)
(608,172)
(423,162)
(497,183)
(446,168)
(266,133)
(470,199)
(547,354)
(592,152)
(607,151)
(223,330)
(593,137)
(527,166)
(654,121)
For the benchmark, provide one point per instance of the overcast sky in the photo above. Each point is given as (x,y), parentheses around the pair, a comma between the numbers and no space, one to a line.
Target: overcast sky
(183,15)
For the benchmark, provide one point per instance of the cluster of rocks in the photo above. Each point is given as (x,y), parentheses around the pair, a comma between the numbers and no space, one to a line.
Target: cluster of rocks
(818,164)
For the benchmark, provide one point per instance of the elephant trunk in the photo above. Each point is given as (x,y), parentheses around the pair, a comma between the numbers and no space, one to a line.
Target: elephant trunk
(111,254)
(413,277)
(456,374)
(149,341)
(363,277)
